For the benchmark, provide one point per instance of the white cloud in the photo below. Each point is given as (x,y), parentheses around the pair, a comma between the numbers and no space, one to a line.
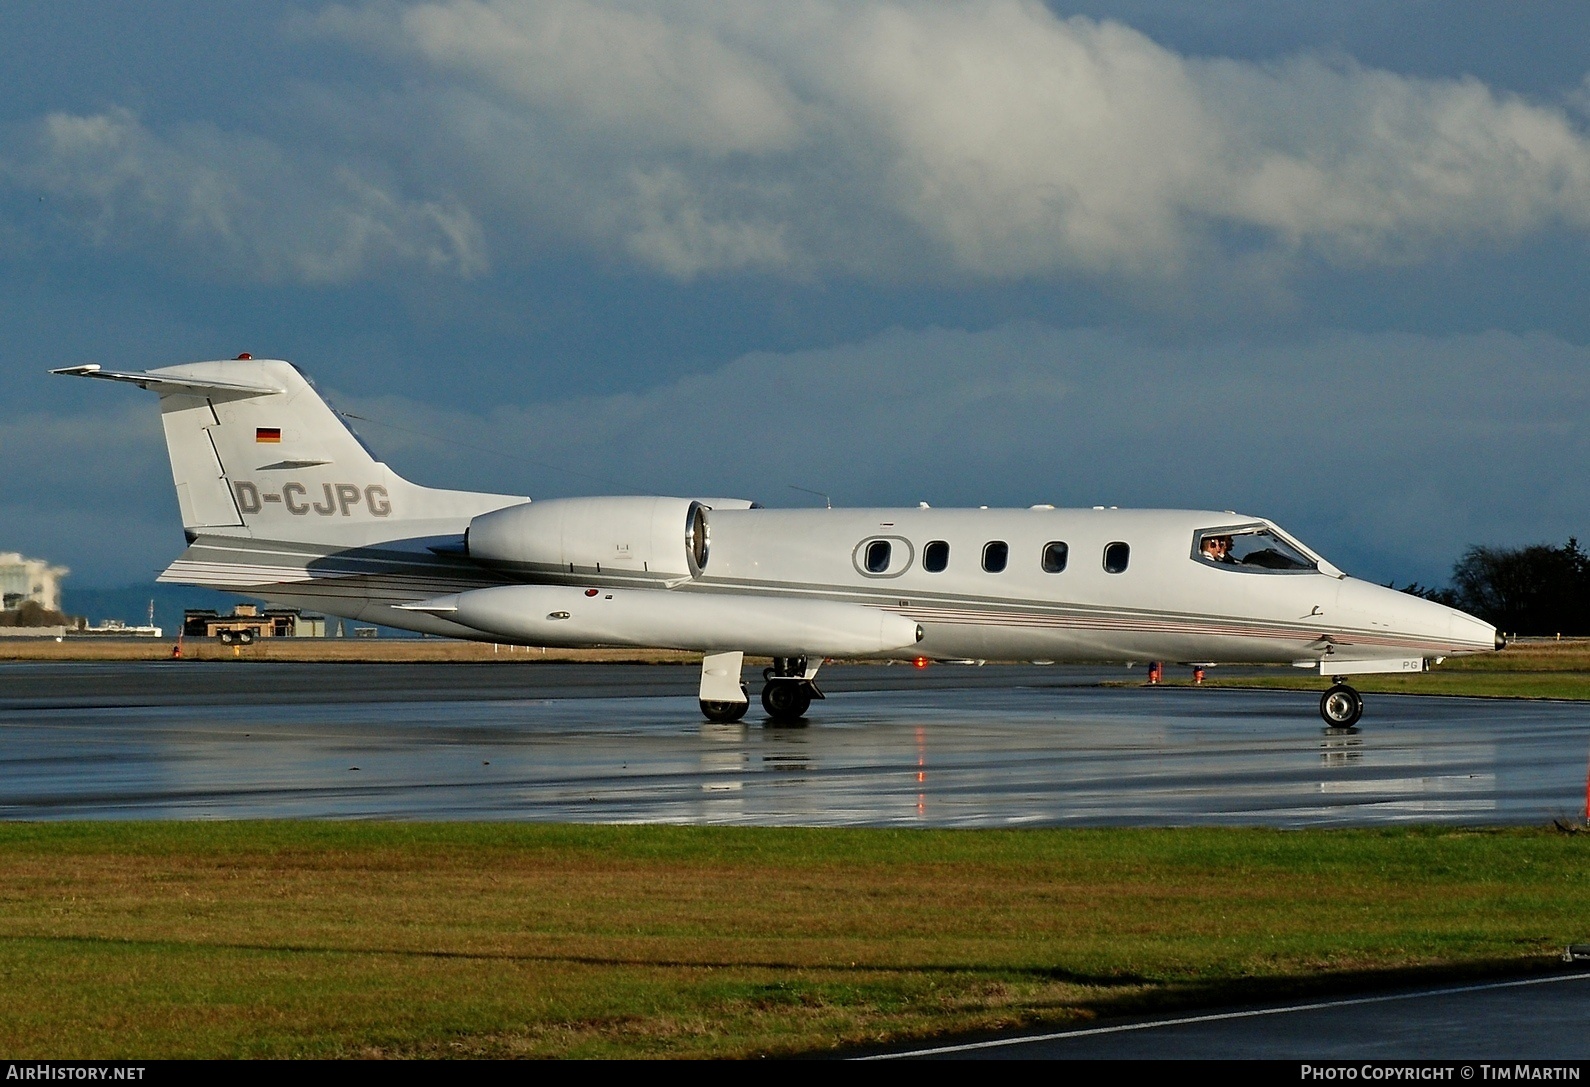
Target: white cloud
(235,202)
(939,141)
(637,75)
(901,142)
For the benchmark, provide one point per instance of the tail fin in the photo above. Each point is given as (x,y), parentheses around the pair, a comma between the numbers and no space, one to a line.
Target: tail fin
(256,451)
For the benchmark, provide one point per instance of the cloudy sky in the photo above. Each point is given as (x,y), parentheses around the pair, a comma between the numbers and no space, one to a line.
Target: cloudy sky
(1324,263)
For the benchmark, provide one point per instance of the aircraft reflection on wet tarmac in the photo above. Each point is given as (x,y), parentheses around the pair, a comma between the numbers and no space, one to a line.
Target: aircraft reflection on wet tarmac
(970,747)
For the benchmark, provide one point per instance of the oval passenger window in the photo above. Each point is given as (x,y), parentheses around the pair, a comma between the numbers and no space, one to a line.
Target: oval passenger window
(995,555)
(878,556)
(936,557)
(1116,556)
(1054,557)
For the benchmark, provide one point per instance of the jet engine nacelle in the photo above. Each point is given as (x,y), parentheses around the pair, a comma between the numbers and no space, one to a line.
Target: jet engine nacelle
(654,538)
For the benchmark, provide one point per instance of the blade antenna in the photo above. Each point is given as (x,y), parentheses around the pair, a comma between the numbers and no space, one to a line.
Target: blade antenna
(828,502)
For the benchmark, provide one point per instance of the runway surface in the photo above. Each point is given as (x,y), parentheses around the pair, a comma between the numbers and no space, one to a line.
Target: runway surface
(948,746)
(1524,1019)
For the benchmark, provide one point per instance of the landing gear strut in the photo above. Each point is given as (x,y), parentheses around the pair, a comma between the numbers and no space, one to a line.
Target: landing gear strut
(1341,706)
(788,691)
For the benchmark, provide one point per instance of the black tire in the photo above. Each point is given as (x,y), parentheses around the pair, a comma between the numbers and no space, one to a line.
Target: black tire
(246,637)
(226,637)
(786,699)
(1341,706)
(724,713)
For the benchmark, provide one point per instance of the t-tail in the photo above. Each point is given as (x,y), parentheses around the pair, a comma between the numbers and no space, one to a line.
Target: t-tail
(281,500)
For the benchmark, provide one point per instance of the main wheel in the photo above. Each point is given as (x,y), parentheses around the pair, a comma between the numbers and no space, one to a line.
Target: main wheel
(724,713)
(786,699)
(246,637)
(1341,706)
(226,637)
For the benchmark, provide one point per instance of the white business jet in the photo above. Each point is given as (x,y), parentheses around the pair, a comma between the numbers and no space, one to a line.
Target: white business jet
(281,501)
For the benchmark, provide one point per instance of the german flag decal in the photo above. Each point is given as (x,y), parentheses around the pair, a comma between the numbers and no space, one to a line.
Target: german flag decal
(268,434)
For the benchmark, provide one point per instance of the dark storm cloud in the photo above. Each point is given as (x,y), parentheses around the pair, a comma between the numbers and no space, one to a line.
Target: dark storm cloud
(1390,452)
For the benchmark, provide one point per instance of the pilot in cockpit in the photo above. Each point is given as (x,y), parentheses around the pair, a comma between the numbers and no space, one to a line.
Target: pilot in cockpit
(1217,549)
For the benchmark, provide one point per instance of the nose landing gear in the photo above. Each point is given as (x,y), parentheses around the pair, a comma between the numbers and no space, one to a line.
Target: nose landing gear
(1341,706)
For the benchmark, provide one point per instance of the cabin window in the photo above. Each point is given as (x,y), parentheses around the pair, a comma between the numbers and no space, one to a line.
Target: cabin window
(1251,548)
(878,557)
(936,557)
(995,555)
(1116,556)
(1054,557)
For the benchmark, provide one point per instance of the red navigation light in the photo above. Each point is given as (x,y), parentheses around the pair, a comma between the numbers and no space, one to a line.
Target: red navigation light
(921,662)
(244,357)
(590,592)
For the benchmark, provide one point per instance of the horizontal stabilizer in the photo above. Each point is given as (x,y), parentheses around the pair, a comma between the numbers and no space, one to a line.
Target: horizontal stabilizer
(166,383)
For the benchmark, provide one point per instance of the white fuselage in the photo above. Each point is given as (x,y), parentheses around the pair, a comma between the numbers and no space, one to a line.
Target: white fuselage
(1166,604)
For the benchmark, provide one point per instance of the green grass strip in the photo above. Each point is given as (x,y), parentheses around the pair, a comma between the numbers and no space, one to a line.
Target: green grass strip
(349,939)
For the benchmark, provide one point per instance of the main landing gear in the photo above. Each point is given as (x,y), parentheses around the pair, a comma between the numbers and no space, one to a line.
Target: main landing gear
(1341,706)
(723,698)
(788,690)
(724,713)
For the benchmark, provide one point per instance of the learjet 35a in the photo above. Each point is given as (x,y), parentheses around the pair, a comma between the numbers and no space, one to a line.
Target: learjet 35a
(281,501)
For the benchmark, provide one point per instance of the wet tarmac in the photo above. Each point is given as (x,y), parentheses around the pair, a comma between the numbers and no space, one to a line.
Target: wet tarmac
(948,746)
(1523,1019)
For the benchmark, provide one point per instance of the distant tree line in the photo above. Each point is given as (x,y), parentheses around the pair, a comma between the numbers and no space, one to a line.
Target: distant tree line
(1538,590)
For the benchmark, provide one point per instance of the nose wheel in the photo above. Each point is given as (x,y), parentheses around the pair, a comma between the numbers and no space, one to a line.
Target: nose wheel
(1341,706)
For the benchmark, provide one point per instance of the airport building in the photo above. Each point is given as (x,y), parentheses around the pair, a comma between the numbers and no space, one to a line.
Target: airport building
(248,622)
(23,579)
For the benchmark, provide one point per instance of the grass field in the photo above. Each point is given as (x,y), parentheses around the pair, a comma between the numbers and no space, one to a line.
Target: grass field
(339,939)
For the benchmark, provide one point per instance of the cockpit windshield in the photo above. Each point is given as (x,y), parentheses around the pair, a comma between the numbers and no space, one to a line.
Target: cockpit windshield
(1254,548)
